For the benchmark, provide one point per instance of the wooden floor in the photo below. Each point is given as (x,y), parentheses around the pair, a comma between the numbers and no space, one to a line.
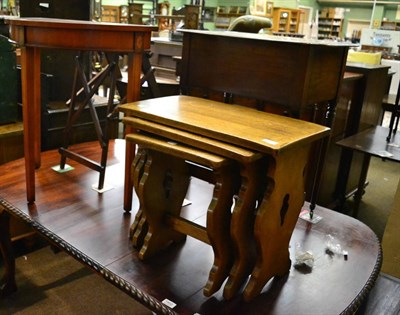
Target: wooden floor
(94,229)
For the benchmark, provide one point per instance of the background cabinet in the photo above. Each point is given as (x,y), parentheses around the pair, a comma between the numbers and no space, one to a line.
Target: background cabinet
(329,28)
(110,13)
(115,14)
(72,9)
(135,13)
(390,25)
(285,20)
(226,15)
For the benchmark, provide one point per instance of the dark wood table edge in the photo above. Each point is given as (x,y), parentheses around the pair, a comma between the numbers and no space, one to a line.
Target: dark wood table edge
(371,131)
(140,296)
(363,294)
(354,305)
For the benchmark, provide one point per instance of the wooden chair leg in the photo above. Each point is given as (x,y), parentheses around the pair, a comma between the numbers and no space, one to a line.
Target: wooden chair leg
(7,284)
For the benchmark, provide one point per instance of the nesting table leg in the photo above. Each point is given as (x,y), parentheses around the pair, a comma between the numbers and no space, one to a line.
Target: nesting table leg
(218,227)
(242,226)
(162,190)
(138,228)
(277,217)
(161,177)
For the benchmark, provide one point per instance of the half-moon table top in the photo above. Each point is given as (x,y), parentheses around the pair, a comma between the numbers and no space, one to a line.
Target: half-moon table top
(94,229)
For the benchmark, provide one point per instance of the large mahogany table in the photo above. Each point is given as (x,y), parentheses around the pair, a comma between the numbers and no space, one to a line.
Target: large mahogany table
(34,34)
(92,228)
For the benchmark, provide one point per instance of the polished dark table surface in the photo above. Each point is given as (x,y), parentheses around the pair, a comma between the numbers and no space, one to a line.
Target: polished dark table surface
(94,229)
(373,142)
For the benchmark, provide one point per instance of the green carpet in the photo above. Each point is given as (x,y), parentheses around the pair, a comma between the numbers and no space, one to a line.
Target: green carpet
(377,201)
(50,283)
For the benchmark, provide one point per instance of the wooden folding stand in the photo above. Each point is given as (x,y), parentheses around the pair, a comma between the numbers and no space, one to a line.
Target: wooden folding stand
(88,89)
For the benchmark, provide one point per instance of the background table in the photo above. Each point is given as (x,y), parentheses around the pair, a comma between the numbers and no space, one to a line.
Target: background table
(371,142)
(258,70)
(33,34)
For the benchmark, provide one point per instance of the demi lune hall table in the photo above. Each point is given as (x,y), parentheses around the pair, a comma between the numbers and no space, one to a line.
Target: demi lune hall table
(34,34)
(91,228)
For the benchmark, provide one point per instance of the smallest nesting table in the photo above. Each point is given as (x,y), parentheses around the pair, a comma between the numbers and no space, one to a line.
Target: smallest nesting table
(255,158)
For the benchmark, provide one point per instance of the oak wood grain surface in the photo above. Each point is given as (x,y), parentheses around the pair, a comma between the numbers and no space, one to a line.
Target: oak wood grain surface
(238,125)
(210,145)
(96,225)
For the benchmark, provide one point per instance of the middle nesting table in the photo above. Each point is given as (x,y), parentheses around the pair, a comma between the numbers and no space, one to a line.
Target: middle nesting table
(258,157)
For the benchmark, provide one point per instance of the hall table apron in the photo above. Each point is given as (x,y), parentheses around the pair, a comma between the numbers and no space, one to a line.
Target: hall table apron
(34,34)
(272,161)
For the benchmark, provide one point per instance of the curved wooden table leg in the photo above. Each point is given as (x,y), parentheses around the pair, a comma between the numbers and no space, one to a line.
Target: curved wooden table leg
(218,227)
(7,284)
(277,217)
(242,226)
(138,228)
(162,190)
